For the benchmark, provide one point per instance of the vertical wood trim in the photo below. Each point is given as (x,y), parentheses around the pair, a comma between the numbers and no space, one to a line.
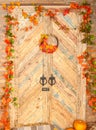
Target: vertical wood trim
(81,89)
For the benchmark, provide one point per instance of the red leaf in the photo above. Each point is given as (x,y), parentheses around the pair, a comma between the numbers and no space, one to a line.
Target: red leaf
(7,41)
(66,11)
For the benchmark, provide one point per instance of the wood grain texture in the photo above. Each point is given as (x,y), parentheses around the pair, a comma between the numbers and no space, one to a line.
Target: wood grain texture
(41,1)
(61,104)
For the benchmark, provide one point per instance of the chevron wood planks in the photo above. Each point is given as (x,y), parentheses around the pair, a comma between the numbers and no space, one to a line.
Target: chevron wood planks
(65,101)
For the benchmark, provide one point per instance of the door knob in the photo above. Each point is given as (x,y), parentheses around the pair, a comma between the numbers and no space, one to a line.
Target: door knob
(52,80)
(43,80)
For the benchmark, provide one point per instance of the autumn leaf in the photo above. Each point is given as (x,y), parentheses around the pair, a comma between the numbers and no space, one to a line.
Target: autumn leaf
(8,47)
(74,5)
(1,124)
(66,11)
(80,61)
(55,129)
(85,65)
(7,41)
(3,100)
(12,3)
(8,100)
(30,27)
(24,14)
(92,102)
(51,14)
(17,3)
(4,6)
(35,22)
(26,29)
(7,90)
(38,9)
(31,18)
(10,8)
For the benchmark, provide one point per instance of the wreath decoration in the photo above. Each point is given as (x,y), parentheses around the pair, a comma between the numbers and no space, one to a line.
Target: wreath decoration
(45,46)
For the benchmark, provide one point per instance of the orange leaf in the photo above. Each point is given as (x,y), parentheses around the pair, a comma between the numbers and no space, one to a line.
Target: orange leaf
(8,100)
(40,8)
(3,101)
(24,14)
(31,18)
(85,65)
(35,22)
(1,124)
(26,29)
(8,48)
(88,92)
(30,27)
(5,114)
(80,57)
(7,128)
(80,61)
(87,80)
(74,5)
(10,8)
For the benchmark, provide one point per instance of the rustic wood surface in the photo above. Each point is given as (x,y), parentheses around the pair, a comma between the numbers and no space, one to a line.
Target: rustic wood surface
(46,1)
(64,102)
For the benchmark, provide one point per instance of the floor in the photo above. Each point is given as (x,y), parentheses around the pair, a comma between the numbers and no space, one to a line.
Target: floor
(91,126)
(44,127)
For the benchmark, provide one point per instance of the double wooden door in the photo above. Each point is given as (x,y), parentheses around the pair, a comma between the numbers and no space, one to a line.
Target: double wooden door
(65,101)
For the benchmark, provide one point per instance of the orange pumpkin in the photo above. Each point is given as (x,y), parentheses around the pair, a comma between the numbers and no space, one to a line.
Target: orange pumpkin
(79,125)
(70,129)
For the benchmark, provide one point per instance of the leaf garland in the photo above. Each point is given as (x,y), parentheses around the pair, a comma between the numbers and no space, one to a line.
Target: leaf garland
(89,72)
(9,65)
(89,67)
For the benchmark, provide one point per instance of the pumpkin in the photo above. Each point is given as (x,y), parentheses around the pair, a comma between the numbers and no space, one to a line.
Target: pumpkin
(79,125)
(70,129)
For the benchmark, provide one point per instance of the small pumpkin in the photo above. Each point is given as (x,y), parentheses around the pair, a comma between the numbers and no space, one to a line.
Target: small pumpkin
(80,125)
(70,129)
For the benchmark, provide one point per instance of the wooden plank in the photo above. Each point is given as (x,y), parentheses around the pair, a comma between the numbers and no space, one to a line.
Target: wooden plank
(28,2)
(58,106)
(41,127)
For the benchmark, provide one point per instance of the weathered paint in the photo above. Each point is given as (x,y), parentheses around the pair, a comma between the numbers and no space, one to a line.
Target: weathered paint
(58,105)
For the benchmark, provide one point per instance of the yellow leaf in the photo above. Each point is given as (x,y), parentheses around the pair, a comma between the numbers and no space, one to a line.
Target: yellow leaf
(17,3)
(33,4)
(4,6)
(44,36)
(55,129)
(24,14)
(11,3)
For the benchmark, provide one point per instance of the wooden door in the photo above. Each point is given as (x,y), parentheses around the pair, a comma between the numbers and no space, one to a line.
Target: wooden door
(65,101)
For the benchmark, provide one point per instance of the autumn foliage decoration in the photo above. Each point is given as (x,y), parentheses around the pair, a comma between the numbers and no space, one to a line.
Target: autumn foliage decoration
(89,72)
(89,68)
(87,62)
(45,47)
(9,65)
(86,24)
(33,18)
